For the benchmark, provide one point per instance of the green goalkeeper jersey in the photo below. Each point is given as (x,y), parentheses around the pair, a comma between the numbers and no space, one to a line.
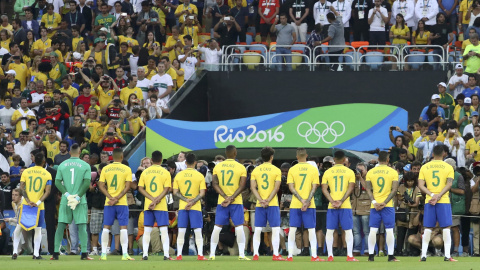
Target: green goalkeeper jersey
(72,172)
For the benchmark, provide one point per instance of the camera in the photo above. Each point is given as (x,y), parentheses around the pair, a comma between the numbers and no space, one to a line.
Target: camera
(226,19)
(76,69)
(407,199)
(191,17)
(392,128)
(40,101)
(48,132)
(8,130)
(109,133)
(106,78)
(476,170)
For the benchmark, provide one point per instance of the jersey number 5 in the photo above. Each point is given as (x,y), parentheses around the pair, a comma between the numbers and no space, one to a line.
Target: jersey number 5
(434,176)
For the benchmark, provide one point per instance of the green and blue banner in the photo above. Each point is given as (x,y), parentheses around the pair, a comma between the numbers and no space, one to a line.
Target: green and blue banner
(359,127)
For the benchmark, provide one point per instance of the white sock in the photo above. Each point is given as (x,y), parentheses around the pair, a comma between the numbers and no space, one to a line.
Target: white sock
(256,240)
(165,241)
(147,231)
(214,240)
(372,240)
(447,242)
(312,237)
(124,241)
(275,240)
(105,234)
(17,235)
(199,241)
(349,240)
(180,240)
(329,242)
(390,238)
(425,240)
(37,240)
(240,241)
(94,249)
(291,241)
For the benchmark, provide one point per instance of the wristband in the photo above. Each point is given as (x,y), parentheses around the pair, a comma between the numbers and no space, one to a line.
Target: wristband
(374,202)
(78,198)
(66,194)
(39,202)
(431,195)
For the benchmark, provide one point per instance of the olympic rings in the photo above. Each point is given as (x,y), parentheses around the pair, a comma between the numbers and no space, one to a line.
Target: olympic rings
(326,130)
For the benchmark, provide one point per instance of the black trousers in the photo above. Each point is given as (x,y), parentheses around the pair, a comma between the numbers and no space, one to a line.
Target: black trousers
(51,223)
(465,231)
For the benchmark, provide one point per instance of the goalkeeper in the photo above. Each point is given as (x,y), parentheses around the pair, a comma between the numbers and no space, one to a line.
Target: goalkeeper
(73,181)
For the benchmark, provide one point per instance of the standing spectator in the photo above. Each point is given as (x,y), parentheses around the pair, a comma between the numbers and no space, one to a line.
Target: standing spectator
(427,146)
(449,9)
(472,148)
(189,61)
(335,37)
(472,87)
(227,31)
(360,10)
(440,35)
(7,187)
(240,13)
(29,23)
(361,212)
(472,54)
(88,17)
(427,12)
(212,54)
(6,112)
(457,82)
(298,11)
(25,146)
(464,114)
(286,36)
(464,9)
(185,10)
(20,117)
(19,34)
(63,155)
(447,102)
(407,9)
(455,143)
(268,10)
(473,122)
(320,11)
(162,83)
(377,17)
(110,141)
(344,9)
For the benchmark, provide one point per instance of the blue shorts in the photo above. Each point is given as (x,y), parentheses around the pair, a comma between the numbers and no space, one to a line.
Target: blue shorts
(194,216)
(110,213)
(150,216)
(441,212)
(233,211)
(41,219)
(387,214)
(270,214)
(299,217)
(342,216)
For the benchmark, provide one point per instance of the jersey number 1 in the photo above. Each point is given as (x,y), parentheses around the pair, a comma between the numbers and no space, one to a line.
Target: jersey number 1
(73,174)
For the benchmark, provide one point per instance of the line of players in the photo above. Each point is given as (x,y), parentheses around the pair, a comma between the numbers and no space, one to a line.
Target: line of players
(229,179)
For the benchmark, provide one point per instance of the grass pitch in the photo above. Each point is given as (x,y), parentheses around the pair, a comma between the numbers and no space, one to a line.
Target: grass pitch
(232,263)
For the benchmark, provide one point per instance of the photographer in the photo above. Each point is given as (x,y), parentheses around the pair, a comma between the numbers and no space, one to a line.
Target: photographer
(148,21)
(96,202)
(104,90)
(427,146)
(212,54)
(408,199)
(112,110)
(21,116)
(285,199)
(361,210)
(36,98)
(110,141)
(54,114)
(189,61)
(400,142)
(455,144)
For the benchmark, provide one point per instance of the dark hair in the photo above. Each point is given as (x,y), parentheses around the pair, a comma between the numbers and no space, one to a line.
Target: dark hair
(68,144)
(404,142)
(403,21)
(166,58)
(331,16)
(266,153)
(382,156)
(188,37)
(407,176)
(5,173)
(230,150)
(190,158)
(416,163)
(12,44)
(39,158)
(339,155)
(157,156)
(430,114)
(438,150)
(402,152)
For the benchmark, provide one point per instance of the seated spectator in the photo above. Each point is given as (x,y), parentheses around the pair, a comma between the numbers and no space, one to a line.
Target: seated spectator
(464,114)
(212,54)
(472,86)
(446,100)
(20,117)
(433,118)
(427,146)
(137,123)
(436,101)
(457,82)
(472,55)
(473,122)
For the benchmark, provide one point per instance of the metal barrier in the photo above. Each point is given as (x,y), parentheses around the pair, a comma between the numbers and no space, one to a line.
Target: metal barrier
(303,48)
(442,57)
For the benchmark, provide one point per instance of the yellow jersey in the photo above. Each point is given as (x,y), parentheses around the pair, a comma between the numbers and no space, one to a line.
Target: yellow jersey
(338,178)
(97,131)
(229,173)
(73,92)
(382,178)
(104,97)
(75,42)
(181,7)
(303,176)
(155,179)
(189,182)
(39,76)
(5,44)
(171,41)
(472,145)
(96,55)
(435,174)
(130,41)
(151,74)
(193,32)
(22,73)
(36,179)
(51,21)
(127,91)
(464,8)
(137,124)
(115,175)
(39,44)
(180,79)
(266,175)
(52,148)
(18,127)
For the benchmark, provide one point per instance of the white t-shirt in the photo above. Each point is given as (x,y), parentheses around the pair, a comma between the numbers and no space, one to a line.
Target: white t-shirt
(378,24)
(320,12)
(6,116)
(188,65)
(133,61)
(161,83)
(24,151)
(453,80)
(143,85)
(36,97)
(211,56)
(57,4)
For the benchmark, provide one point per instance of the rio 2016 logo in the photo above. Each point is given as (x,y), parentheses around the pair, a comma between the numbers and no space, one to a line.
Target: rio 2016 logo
(328,134)
(224,134)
